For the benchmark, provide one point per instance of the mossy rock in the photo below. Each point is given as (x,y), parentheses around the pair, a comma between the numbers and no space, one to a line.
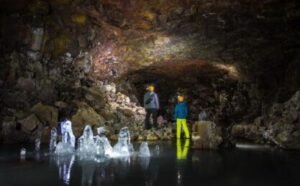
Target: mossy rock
(79,19)
(148,15)
(59,44)
(143,25)
(48,115)
(86,115)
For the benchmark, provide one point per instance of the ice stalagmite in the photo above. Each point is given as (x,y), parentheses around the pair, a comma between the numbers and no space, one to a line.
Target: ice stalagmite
(86,143)
(123,146)
(22,153)
(37,144)
(67,145)
(53,140)
(144,150)
(67,133)
(102,142)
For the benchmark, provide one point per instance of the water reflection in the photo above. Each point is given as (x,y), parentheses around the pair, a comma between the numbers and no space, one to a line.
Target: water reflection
(152,171)
(64,164)
(106,171)
(88,170)
(112,171)
(182,148)
(175,165)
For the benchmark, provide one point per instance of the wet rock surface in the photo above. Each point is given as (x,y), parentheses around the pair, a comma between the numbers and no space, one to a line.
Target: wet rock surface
(280,125)
(90,60)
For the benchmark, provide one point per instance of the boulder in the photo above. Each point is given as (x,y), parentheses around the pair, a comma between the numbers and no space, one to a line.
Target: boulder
(126,111)
(30,123)
(206,135)
(247,132)
(86,115)
(95,97)
(48,115)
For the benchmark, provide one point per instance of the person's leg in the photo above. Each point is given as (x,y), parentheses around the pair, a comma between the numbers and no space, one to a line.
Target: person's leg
(178,130)
(185,149)
(185,128)
(179,149)
(147,119)
(154,117)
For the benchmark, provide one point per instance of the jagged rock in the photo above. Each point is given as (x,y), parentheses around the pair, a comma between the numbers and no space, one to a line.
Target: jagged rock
(95,97)
(206,135)
(141,137)
(280,125)
(30,124)
(45,135)
(48,115)
(249,132)
(110,88)
(8,124)
(86,115)
(141,111)
(25,84)
(126,111)
(152,137)
(61,104)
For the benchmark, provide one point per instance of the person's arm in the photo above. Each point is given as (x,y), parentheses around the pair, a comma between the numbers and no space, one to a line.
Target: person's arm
(156,101)
(175,112)
(186,110)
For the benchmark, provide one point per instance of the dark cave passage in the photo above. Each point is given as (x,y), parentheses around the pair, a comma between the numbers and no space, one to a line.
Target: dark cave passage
(206,86)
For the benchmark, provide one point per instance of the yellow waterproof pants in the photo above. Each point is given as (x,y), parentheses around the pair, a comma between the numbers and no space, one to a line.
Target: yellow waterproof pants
(182,151)
(181,123)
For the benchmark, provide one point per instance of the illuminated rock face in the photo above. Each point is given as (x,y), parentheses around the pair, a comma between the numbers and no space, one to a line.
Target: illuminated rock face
(231,59)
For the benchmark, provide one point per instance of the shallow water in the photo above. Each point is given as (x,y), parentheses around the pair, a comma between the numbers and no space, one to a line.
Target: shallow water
(175,164)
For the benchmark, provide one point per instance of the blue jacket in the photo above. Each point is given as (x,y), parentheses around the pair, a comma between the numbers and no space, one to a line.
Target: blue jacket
(181,111)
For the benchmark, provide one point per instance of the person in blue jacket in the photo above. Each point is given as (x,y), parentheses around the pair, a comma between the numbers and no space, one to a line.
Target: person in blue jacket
(181,113)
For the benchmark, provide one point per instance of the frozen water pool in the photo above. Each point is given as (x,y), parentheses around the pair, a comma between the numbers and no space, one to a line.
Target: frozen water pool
(170,164)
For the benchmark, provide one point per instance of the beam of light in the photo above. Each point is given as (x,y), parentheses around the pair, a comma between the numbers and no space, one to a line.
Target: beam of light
(251,146)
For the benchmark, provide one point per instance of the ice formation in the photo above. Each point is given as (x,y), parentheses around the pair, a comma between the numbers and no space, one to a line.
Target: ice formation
(102,141)
(96,148)
(64,164)
(67,145)
(144,150)
(86,142)
(53,140)
(123,147)
(37,144)
(23,153)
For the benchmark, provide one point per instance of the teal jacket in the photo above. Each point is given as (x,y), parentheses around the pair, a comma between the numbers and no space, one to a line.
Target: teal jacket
(181,111)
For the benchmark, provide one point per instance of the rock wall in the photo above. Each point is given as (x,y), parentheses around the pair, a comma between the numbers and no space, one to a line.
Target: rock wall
(280,125)
(233,59)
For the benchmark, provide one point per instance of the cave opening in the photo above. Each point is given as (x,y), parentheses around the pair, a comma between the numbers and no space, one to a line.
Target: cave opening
(205,85)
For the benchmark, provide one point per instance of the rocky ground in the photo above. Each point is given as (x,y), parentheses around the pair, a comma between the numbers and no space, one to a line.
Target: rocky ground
(90,60)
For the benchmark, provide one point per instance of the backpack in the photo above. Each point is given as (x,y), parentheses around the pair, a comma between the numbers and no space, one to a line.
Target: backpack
(149,99)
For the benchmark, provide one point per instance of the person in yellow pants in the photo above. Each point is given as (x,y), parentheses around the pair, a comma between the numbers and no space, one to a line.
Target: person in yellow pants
(181,112)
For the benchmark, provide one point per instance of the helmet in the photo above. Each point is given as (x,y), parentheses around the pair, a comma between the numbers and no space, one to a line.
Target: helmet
(180,98)
(151,88)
